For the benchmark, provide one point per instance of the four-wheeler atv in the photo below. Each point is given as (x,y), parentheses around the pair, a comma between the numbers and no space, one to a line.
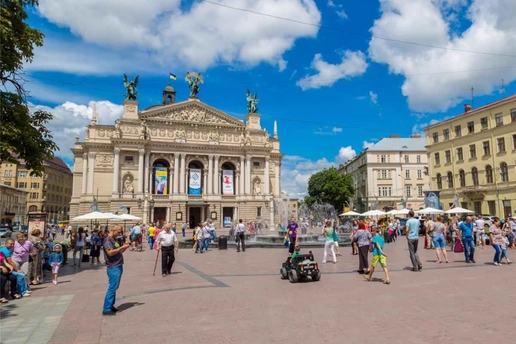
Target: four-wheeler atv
(300,267)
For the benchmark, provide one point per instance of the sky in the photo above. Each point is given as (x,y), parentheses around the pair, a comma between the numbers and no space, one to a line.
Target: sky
(337,75)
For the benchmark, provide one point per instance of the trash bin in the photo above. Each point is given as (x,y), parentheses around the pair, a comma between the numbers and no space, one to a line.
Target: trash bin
(223,242)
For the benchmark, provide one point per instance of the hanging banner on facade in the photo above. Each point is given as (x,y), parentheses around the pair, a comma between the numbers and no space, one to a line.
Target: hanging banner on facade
(160,181)
(194,185)
(227,182)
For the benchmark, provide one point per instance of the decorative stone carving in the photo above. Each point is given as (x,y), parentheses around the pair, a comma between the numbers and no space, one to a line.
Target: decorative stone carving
(144,129)
(118,129)
(104,160)
(214,136)
(180,135)
(128,184)
(245,138)
(257,189)
(170,133)
(195,114)
(102,133)
(272,165)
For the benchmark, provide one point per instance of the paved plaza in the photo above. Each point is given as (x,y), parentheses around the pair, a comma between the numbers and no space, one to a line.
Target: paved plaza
(230,297)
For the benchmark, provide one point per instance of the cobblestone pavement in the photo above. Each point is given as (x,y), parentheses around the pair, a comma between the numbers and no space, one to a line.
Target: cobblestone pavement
(230,297)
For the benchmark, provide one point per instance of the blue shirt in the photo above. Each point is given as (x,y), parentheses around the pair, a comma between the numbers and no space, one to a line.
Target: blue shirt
(467,230)
(377,239)
(413,229)
(7,252)
(136,230)
(56,257)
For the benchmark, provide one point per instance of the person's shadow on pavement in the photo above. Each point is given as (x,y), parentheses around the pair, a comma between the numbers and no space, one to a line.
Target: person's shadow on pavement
(127,305)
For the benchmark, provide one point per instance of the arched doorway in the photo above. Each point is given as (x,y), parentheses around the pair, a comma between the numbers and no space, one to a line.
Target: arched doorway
(160,173)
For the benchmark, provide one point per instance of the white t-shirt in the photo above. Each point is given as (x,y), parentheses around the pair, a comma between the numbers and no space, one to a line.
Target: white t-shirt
(240,228)
(480,223)
(166,239)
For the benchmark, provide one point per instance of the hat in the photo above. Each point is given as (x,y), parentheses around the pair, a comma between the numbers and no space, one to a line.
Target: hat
(57,245)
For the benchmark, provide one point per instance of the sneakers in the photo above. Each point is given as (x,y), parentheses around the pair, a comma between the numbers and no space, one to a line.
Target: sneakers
(27,294)
(497,264)
(55,282)
(473,261)
(110,313)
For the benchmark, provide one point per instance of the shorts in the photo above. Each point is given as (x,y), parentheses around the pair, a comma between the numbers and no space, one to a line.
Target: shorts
(135,237)
(439,241)
(55,268)
(382,259)
(336,243)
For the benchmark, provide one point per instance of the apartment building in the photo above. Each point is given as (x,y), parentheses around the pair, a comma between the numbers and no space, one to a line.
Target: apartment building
(50,193)
(13,203)
(392,174)
(472,158)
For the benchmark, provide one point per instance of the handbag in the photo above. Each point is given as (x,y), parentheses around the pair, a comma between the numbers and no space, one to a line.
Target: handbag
(85,258)
(457,247)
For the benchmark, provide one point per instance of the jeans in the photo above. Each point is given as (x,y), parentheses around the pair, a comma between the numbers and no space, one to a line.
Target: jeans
(504,254)
(79,249)
(167,258)
(414,257)
(498,254)
(240,238)
(329,245)
(150,240)
(206,243)
(21,282)
(184,232)
(469,248)
(114,276)
(13,284)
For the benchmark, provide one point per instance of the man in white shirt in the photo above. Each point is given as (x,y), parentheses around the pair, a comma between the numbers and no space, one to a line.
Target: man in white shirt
(240,235)
(167,242)
(479,230)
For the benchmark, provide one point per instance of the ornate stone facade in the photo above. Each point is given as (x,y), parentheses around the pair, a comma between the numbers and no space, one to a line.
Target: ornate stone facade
(150,162)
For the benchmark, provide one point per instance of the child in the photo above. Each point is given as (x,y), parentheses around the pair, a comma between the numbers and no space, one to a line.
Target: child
(297,252)
(56,260)
(504,248)
(378,256)
(46,258)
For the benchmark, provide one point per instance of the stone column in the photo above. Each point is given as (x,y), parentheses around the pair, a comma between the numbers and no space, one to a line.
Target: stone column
(116,172)
(168,215)
(91,168)
(84,172)
(170,182)
(248,175)
(236,184)
(210,175)
(205,178)
(241,188)
(266,176)
(182,175)
(141,164)
(216,177)
(277,179)
(175,189)
(147,162)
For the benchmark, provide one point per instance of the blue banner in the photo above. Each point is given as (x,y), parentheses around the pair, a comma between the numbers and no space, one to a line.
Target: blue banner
(194,184)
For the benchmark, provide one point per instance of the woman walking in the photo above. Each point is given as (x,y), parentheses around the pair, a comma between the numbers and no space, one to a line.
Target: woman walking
(363,240)
(36,256)
(80,242)
(329,243)
(495,234)
(439,240)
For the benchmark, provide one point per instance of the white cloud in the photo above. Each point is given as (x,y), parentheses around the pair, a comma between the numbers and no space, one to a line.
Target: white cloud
(373,97)
(198,36)
(328,131)
(337,130)
(339,9)
(366,144)
(353,64)
(70,119)
(492,29)
(296,170)
(342,14)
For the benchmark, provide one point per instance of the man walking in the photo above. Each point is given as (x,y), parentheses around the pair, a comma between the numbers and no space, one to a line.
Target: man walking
(240,235)
(115,260)
(413,241)
(167,242)
(466,235)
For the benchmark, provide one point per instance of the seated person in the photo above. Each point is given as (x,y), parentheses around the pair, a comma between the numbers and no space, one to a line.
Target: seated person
(297,252)
(136,232)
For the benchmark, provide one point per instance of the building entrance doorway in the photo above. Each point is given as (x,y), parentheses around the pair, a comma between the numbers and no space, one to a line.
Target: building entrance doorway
(160,215)
(194,216)
(228,214)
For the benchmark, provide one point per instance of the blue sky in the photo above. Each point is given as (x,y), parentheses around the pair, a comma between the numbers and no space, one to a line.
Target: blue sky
(332,87)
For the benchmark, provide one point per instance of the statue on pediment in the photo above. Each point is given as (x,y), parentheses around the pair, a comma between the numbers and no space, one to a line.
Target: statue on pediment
(131,88)
(194,79)
(252,102)
(245,138)
(144,131)
(118,129)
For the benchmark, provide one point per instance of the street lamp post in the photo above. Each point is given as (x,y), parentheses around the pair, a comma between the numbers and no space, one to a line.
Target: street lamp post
(151,208)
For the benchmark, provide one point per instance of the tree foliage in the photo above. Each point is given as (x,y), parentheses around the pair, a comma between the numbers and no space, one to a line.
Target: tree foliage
(330,186)
(23,135)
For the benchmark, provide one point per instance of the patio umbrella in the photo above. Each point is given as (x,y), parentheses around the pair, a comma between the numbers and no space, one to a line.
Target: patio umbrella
(350,213)
(373,213)
(429,210)
(458,210)
(402,212)
(392,212)
(125,218)
(96,215)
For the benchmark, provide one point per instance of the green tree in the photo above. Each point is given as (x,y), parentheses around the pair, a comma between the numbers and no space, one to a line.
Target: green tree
(23,135)
(330,186)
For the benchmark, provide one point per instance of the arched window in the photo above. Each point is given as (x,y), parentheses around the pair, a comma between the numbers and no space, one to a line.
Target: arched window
(33,208)
(439,181)
(196,185)
(462,178)
(228,178)
(504,171)
(449,177)
(489,174)
(474,175)
(160,173)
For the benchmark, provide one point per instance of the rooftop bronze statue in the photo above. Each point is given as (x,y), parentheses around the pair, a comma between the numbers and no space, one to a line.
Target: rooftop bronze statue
(194,79)
(252,102)
(130,86)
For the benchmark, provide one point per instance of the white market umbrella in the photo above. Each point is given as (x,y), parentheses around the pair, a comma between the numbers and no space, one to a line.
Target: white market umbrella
(458,210)
(96,215)
(373,213)
(350,213)
(392,212)
(129,217)
(402,212)
(429,210)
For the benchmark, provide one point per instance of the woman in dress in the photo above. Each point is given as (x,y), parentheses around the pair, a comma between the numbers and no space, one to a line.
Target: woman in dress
(36,255)
(363,239)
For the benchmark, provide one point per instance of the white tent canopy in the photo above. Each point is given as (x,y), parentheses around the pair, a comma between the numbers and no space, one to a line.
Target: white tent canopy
(128,217)
(392,212)
(374,213)
(429,210)
(458,210)
(402,212)
(350,213)
(96,215)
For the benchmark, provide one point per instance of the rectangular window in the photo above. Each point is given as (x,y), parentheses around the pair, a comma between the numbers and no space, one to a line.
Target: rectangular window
(6,173)
(384,174)
(22,185)
(10,173)
(499,119)
(7,183)
(513,115)
(471,127)
(407,174)
(34,185)
(483,123)
(472,151)
(486,148)
(22,174)
(446,134)
(501,144)
(437,159)
(406,159)
(418,159)
(389,191)
(256,164)
(129,158)
(491,205)
(436,137)
(419,174)
(447,156)
(514,141)
(458,131)
(420,191)
(34,195)
(407,191)
(258,211)
(383,158)
(460,154)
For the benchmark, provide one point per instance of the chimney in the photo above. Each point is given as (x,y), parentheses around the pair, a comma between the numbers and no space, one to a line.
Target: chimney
(395,137)
(415,136)
(467,108)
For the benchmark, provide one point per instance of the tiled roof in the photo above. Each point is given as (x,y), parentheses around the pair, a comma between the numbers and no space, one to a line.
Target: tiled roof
(399,145)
